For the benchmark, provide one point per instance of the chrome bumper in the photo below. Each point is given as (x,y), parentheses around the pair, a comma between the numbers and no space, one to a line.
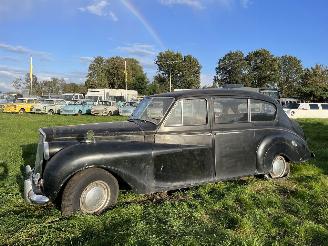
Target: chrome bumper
(29,194)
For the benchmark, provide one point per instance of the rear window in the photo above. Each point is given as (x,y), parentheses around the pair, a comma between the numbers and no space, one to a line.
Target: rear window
(324,106)
(314,106)
(262,111)
(230,110)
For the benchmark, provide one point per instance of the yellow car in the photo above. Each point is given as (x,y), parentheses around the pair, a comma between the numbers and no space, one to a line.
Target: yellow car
(21,105)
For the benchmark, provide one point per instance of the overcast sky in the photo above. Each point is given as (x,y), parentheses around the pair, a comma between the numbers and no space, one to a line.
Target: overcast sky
(64,35)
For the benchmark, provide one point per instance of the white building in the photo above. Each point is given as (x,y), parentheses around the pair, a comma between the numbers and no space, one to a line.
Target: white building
(111,94)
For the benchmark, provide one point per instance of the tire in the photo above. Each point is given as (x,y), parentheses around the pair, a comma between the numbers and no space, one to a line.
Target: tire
(50,112)
(21,111)
(110,113)
(280,167)
(85,187)
(79,113)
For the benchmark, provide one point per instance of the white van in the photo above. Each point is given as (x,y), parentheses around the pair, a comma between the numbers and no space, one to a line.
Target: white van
(307,110)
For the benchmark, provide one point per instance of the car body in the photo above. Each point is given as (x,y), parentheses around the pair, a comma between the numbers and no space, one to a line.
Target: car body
(105,108)
(49,106)
(307,110)
(128,108)
(77,108)
(21,105)
(171,141)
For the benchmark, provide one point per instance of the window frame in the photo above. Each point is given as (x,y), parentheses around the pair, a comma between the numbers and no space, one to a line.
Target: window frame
(262,121)
(234,98)
(181,127)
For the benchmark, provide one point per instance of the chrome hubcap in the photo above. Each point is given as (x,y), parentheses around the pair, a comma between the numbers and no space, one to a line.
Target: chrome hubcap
(278,166)
(95,197)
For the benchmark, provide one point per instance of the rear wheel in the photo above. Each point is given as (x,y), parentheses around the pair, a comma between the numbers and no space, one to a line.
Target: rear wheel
(79,113)
(21,111)
(110,113)
(51,112)
(280,167)
(90,191)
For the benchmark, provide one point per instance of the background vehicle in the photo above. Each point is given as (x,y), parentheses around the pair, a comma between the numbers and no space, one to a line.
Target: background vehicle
(307,110)
(49,106)
(171,141)
(128,108)
(105,108)
(72,96)
(111,95)
(21,105)
(77,108)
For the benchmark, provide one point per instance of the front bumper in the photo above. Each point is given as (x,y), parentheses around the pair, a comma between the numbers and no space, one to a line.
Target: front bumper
(30,195)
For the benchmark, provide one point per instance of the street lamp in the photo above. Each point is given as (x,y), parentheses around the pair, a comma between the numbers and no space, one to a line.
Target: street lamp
(170,71)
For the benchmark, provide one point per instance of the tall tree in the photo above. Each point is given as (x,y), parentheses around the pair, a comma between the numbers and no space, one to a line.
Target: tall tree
(184,71)
(231,69)
(110,73)
(52,86)
(314,85)
(96,77)
(263,69)
(290,75)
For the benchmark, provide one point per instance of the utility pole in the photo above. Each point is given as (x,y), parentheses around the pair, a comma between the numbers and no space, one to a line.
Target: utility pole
(170,71)
(126,81)
(31,76)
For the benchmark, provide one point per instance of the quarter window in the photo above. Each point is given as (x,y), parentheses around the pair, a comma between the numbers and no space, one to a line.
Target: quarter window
(262,111)
(314,106)
(324,106)
(188,112)
(230,110)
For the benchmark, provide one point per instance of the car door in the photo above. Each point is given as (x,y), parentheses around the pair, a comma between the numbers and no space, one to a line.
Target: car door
(187,127)
(234,137)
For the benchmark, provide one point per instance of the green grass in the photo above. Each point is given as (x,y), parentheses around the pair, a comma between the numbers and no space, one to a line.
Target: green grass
(250,211)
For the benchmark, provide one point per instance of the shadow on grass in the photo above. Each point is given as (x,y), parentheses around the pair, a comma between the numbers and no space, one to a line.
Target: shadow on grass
(3,170)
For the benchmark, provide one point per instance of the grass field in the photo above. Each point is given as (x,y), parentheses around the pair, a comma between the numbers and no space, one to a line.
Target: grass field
(250,211)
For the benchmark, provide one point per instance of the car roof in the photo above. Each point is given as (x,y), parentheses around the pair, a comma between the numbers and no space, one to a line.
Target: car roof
(216,92)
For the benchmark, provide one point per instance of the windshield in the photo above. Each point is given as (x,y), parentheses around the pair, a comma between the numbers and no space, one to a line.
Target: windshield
(152,109)
(48,102)
(68,97)
(292,105)
(20,101)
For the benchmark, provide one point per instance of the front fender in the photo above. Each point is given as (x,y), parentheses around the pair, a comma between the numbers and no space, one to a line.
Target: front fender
(131,161)
(290,145)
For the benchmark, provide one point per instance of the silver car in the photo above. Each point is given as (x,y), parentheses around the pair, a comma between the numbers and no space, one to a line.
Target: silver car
(49,106)
(105,108)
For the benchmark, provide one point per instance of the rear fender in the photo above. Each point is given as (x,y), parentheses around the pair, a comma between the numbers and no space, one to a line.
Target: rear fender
(288,144)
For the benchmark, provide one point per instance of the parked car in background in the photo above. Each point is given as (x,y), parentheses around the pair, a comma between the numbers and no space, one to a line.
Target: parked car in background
(128,108)
(21,105)
(307,110)
(171,141)
(49,106)
(72,97)
(77,108)
(105,108)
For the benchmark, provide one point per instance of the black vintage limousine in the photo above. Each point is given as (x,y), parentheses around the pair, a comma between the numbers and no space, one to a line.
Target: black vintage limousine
(171,141)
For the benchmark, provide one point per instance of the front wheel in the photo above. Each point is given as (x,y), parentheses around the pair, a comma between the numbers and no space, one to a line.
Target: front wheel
(90,191)
(280,167)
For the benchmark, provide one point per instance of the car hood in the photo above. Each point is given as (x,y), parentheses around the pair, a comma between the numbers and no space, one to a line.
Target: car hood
(96,131)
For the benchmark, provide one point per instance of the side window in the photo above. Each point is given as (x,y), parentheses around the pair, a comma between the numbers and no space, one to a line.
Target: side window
(324,106)
(314,106)
(262,111)
(230,110)
(188,112)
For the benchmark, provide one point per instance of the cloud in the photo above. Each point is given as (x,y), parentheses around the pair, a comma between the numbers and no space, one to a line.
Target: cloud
(197,4)
(206,79)
(144,53)
(139,49)
(202,4)
(9,59)
(23,50)
(99,8)
(86,59)
(5,87)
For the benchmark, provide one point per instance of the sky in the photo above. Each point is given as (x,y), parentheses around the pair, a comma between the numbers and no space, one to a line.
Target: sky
(63,36)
